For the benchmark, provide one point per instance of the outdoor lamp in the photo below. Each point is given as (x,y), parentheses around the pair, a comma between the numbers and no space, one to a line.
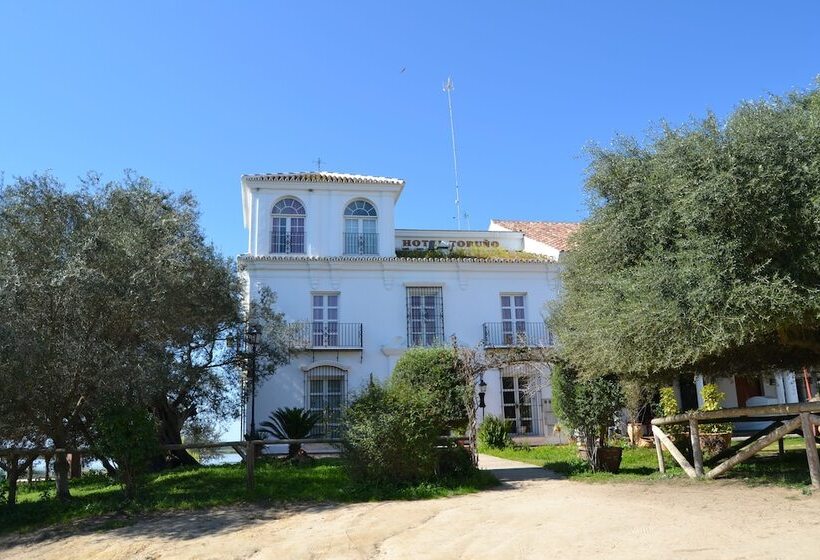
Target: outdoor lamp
(251,341)
(482,390)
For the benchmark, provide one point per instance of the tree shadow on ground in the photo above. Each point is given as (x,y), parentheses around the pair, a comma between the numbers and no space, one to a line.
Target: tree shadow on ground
(174,525)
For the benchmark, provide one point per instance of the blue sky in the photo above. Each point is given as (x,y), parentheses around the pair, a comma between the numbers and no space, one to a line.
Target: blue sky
(193,94)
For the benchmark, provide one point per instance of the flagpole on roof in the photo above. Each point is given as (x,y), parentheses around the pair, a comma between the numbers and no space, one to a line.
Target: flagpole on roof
(448,88)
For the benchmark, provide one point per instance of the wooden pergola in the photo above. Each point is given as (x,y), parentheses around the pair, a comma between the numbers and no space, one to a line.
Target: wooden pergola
(785,418)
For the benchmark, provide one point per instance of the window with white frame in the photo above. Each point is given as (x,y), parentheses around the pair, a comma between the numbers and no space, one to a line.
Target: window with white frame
(288,227)
(425,316)
(325,330)
(325,394)
(361,235)
(520,397)
(513,318)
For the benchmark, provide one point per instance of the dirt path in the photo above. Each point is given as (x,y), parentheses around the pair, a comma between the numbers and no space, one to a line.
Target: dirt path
(533,515)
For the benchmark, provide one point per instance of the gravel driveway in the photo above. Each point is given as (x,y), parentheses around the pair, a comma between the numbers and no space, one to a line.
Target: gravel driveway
(532,515)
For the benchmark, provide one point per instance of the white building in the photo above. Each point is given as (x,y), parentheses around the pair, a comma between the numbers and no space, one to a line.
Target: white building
(327,245)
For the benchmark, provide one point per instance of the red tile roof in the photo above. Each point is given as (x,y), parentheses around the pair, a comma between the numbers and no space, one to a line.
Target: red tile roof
(554,234)
(322,177)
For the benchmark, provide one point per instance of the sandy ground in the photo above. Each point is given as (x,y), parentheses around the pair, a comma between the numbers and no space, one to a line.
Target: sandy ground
(533,515)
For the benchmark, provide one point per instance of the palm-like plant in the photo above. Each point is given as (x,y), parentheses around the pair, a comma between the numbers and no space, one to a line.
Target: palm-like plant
(290,423)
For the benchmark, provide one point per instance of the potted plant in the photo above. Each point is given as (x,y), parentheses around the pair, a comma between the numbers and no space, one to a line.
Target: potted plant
(589,407)
(714,438)
(668,406)
(637,394)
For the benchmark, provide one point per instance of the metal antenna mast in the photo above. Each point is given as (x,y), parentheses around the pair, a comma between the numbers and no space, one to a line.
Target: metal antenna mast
(448,88)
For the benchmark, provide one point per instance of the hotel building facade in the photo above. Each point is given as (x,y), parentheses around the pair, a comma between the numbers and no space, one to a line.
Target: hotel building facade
(360,293)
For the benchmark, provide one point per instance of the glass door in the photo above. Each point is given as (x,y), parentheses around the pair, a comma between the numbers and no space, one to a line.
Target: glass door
(325,320)
(519,408)
(513,322)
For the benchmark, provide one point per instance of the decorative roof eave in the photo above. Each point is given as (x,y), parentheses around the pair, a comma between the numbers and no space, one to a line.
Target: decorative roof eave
(288,258)
(323,177)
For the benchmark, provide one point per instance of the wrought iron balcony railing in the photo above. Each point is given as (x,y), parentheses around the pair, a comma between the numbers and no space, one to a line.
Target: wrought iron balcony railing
(361,244)
(328,335)
(291,242)
(516,333)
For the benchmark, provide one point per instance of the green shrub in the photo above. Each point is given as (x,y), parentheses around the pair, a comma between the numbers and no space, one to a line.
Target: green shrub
(494,433)
(713,399)
(390,436)
(290,423)
(433,371)
(454,462)
(589,406)
(668,404)
(678,433)
(128,435)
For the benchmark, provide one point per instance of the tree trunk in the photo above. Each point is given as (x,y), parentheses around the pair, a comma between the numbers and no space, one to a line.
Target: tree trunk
(12,497)
(170,432)
(13,474)
(61,476)
(13,471)
(110,469)
(84,424)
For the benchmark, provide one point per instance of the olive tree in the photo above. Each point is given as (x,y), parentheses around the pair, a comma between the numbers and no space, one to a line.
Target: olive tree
(110,293)
(701,249)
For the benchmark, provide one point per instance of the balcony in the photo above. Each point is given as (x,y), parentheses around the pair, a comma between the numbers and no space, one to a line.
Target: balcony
(508,334)
(287,242)
(328,335)
(361,243)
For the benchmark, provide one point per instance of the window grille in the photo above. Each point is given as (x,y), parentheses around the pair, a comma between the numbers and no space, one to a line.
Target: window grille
(288,227)
(326,394)
(425,317)
(361,229)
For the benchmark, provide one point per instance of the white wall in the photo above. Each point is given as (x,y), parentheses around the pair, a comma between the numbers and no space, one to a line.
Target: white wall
(324,207)
(372,292)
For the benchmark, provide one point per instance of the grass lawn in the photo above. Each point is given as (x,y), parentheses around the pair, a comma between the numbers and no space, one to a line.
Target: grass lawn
(641,464)
(193,488)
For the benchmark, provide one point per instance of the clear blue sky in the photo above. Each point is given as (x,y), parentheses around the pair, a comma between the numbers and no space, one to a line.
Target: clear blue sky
(193,94)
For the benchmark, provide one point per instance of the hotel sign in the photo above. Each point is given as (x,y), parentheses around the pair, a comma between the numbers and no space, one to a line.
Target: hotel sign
(451,243)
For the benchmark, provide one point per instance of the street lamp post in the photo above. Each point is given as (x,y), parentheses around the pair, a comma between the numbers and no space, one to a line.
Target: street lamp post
(482,390)
(251,343)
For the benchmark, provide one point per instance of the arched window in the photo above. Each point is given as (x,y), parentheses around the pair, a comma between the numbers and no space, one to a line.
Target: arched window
(361,229)
(326,395)
(288,230)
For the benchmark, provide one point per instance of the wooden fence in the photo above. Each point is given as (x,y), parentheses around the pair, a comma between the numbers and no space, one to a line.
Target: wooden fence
(785,418)
(247,450)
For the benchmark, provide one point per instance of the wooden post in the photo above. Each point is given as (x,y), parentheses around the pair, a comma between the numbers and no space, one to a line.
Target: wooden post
(674,451)
(697,452)
(786,428)
(13,475)
(76,461)
(811,449)
(659,451)
(250,460)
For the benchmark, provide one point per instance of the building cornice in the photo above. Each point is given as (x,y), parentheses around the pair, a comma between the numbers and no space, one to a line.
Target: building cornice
(245,258)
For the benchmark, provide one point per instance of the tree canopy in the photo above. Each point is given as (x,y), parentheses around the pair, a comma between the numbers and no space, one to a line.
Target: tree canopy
(110,293)
(701,252)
